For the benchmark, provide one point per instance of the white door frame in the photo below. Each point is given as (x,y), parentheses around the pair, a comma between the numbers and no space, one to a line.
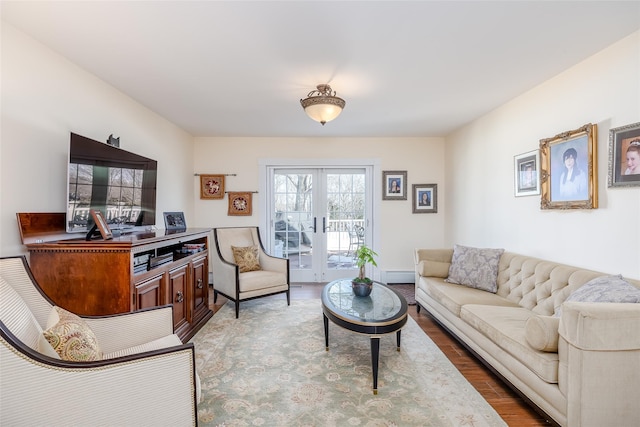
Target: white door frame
(265,164)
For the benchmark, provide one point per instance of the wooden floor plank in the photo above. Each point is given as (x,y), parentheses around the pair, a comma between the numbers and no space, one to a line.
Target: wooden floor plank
(513,409)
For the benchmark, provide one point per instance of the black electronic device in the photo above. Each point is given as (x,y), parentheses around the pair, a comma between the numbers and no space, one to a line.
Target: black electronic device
(116,182)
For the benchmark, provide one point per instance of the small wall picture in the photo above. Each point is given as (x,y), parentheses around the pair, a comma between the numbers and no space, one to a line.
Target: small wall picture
(526,173)
(174,221)
(568,173)
(211,186)
(624,156)
(425,198)
(394,185)
(240,203)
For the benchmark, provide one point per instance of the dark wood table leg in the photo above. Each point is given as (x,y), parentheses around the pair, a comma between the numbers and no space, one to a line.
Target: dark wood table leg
(398,338)
(375,356)
(326,332)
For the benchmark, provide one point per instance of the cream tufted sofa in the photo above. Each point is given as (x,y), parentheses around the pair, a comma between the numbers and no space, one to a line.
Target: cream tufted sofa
(581,368)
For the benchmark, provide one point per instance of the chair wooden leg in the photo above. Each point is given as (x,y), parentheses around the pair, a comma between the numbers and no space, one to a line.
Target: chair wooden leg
(237,308)
(215,296)
(289,297)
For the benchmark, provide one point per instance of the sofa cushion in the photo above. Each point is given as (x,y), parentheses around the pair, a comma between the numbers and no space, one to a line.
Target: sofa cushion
(542,334)
(475,267)
(505,326)
(247,258)
(453,296)
(71,337)
(604,289)
(428,268)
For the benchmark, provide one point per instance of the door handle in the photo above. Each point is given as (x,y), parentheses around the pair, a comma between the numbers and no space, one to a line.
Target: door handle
(324,224)
(314,224)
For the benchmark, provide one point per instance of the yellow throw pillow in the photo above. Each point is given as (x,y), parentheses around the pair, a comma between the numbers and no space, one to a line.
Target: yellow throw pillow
(71,337)
(246,258)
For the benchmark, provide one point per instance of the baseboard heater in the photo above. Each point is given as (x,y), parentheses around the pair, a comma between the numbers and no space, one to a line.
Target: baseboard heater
(397,276)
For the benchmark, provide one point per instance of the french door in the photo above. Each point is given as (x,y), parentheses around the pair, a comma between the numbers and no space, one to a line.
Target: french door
(318,217)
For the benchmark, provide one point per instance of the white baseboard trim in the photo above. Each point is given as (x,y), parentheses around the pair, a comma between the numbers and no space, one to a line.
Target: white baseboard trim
(397,276)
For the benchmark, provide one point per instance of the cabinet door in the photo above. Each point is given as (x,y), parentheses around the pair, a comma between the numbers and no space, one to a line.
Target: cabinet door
(149,293)
(179,295)
(200,287)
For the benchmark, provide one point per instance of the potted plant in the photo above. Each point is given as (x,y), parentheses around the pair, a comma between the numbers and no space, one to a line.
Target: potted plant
(362,285)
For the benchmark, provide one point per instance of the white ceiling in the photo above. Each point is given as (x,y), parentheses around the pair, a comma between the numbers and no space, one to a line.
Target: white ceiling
(405,68)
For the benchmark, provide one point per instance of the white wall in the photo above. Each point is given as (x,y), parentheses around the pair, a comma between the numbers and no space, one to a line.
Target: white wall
(603,90)
(44,98)
(400,230)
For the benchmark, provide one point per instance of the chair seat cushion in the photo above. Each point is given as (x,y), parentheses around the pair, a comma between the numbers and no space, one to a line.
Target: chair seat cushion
(262,279)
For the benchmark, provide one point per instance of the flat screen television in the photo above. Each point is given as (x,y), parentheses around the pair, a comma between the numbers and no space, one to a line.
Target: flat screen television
(120,184)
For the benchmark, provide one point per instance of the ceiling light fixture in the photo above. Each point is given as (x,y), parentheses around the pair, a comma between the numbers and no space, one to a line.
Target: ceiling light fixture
(322,104)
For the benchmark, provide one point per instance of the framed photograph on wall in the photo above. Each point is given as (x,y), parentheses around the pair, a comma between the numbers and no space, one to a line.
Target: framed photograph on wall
(240,203)
(526,173)
(568,173)
(211,186)
(425,198)
(100,224)
(624,156)
(394,185)
(174,221)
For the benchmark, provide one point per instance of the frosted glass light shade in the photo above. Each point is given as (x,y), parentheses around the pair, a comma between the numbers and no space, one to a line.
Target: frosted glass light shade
(323,113)
(322,105)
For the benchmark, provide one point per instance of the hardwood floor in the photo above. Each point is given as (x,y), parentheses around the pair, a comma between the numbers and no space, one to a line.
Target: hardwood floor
(513,409)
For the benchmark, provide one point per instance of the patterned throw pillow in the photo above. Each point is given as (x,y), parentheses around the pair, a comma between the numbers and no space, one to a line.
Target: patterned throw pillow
(475,267)
(246,258)
(604,289)
(71,337)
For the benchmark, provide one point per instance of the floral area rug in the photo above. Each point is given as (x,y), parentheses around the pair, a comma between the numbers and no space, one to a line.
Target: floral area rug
(270,368)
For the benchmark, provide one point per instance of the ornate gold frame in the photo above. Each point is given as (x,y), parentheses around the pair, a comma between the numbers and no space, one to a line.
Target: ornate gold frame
(211,186)
(555,192)
(240,203)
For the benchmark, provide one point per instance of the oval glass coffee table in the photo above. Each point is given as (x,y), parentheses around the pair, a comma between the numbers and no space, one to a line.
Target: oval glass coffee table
(382,312)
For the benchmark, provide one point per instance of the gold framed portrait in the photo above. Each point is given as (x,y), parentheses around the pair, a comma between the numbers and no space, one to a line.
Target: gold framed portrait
(568,174)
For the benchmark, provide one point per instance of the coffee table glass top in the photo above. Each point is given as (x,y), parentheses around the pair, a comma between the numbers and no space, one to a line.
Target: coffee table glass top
(383,305)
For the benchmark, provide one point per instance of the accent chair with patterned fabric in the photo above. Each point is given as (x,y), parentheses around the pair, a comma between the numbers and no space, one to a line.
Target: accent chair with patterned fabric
(242,270)
(60,369)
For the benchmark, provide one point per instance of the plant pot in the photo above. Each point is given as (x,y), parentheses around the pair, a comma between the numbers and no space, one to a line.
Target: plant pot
(361,289)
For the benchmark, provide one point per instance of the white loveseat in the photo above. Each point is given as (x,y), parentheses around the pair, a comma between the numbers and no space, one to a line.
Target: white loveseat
(144,377)
(582,368)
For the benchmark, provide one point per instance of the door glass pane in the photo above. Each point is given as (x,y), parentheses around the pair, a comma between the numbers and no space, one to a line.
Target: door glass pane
(293,218)
(346,217)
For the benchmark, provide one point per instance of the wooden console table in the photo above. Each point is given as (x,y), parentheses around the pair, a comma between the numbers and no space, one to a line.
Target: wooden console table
(98,277)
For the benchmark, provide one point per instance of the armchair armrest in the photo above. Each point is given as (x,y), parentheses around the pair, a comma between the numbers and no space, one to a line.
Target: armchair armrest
(272,263)
(148,389)
(126,330)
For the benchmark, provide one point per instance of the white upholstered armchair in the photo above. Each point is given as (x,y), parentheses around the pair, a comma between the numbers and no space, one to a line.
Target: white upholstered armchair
(243,282)
(144,375)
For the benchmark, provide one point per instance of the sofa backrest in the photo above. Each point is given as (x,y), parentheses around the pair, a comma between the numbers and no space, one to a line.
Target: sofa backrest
(539,285)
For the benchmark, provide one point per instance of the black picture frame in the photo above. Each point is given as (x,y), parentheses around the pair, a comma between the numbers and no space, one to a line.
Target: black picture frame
(174,221)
